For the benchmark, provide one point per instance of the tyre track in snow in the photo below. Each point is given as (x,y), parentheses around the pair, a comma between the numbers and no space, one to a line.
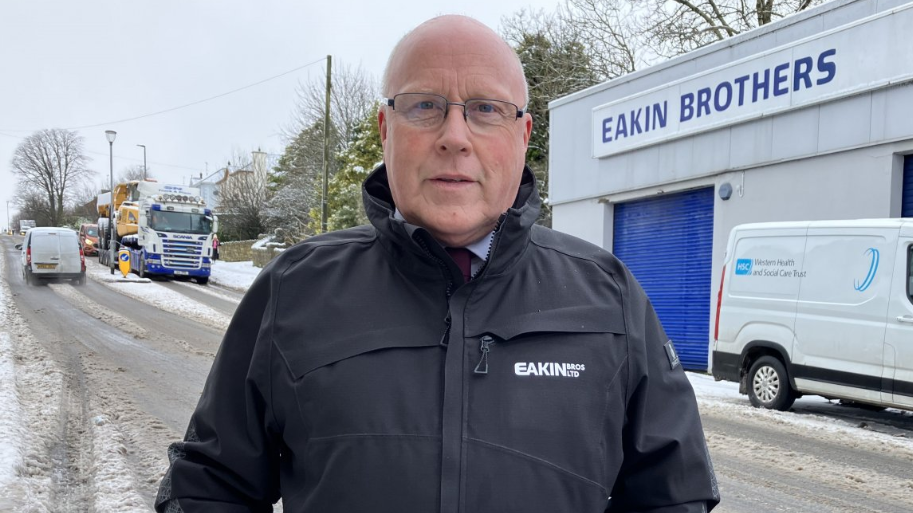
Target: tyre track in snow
(766,465)
(127,385)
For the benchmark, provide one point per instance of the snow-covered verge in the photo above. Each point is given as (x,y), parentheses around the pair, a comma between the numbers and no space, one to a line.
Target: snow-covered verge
(25,478)
(234,275)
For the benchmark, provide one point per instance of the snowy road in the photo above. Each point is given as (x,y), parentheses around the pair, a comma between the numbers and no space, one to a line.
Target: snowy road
(92,395)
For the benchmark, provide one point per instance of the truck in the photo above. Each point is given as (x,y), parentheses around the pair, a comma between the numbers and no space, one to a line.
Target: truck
(25,225)
(167,229)
(818,308)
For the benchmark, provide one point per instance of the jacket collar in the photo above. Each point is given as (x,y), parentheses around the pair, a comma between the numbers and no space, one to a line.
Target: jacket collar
(413,247)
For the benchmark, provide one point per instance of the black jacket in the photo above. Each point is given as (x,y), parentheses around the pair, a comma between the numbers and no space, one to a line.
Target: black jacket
(360,374)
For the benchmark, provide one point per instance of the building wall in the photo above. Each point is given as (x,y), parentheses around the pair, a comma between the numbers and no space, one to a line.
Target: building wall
(840,159)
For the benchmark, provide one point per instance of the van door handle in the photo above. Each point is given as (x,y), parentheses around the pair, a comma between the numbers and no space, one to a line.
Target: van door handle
(905,318)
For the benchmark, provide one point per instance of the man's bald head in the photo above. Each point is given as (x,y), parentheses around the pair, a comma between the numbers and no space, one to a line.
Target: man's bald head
(445,27)
(451,170)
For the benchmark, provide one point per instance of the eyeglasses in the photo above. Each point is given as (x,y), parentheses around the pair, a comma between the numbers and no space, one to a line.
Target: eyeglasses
(428,111)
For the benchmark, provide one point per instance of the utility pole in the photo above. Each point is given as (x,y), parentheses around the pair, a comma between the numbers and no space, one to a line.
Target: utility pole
(326,147)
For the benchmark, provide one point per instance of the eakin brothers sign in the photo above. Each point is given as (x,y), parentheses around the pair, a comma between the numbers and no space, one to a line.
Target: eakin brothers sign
(871,53)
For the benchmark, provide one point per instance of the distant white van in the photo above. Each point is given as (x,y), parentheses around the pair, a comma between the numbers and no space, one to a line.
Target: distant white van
(822,307)
(52,253)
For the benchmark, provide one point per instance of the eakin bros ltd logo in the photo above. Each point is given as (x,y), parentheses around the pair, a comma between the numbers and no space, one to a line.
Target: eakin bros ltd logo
(564,370)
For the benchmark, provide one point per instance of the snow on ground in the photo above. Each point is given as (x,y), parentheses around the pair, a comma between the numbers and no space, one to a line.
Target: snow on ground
(25,480)
(723,397)
(151,293)
(10,420)
(32,393)
(33,396)
(234,275)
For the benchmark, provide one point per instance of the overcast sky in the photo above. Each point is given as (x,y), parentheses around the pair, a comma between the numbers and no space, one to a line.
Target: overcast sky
(68,64)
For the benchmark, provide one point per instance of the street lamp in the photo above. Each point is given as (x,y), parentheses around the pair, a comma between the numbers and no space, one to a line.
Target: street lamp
(144,159)
(111,134)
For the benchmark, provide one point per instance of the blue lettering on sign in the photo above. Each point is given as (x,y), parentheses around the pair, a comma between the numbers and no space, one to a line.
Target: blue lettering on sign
(756,86)
(743,266)
(873,268)
(631,123)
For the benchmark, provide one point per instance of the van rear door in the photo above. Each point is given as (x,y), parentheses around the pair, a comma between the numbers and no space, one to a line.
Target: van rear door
(45,253)
(899,336)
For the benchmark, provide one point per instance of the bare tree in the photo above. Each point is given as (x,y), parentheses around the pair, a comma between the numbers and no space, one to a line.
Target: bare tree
(242,196)
(51,163)
(352,95)
(626,35)
(296,188)
(84,202)
(607,27)
(134,172)
(32,205)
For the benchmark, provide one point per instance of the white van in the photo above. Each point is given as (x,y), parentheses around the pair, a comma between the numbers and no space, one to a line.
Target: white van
(52,253)
(821,307)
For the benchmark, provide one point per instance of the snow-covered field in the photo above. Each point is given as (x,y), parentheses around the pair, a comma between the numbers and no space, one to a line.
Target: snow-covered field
(33,391)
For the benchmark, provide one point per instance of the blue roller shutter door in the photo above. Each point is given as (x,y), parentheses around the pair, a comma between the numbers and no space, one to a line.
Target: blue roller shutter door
(906,209)
(667,243)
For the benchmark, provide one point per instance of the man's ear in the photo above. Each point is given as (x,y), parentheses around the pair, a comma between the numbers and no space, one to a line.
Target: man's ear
(382,126)
(527,128)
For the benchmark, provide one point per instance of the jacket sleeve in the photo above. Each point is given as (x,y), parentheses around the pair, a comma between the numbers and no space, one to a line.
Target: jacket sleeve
(666,466)
(229,458)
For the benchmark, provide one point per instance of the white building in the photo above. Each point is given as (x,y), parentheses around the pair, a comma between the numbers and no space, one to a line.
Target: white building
(209,187)
(804,119)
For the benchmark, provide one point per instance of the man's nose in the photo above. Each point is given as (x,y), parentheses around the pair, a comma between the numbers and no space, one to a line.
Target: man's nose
(455,134)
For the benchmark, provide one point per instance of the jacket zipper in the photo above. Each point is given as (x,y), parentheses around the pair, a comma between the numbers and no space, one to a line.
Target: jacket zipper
(482,367)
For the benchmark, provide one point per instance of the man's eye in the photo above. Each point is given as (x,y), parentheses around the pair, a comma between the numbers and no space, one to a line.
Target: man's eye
(486,108)
(427,105)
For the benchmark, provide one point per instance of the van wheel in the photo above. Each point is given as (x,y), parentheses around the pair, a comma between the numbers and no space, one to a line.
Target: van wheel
(768,385)
(81,280)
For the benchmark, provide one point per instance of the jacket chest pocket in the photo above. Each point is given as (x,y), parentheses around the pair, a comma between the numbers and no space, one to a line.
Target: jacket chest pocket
(382,382)
(548,386)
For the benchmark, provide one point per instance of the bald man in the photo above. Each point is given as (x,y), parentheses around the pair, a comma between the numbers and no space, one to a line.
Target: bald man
(452,356)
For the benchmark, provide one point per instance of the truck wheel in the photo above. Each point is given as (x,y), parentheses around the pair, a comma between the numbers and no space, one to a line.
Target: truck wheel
(203,280)
(142,266)
(768,385)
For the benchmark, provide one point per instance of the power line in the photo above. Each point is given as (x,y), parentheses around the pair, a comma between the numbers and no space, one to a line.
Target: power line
(150,162)
(172,109)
